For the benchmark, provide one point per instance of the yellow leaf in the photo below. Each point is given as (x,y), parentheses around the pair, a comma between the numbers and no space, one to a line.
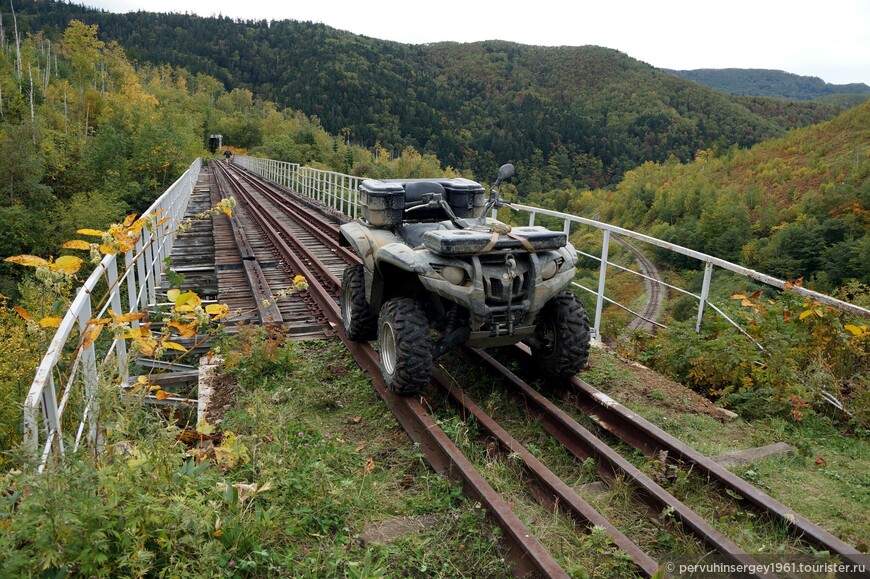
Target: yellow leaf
(146,347)
(162,221)
(27,260)
(172,295)
(107,249)
(21,312)
(67,264)
(188,298)
(855,330)
(184,330)
(175,346)
(163,394)
(77,244)
(746,302)
(129,219)
(203,427)
(50,322)
(819,312)
(137,226)
(738,296)
(217,311)
(91,232)
(805,314)
(132,316)
(90,336)
(370,464)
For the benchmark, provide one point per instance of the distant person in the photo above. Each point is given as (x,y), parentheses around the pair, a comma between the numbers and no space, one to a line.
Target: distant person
(227,155)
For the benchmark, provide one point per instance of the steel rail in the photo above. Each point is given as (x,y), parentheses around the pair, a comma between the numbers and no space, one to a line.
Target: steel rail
(611,466)
(292,205)
(552,489)
(651,440)
(526,551)
(610,463)
(267,305)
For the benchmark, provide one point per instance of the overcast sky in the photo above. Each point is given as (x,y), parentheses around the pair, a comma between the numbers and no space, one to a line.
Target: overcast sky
(829,39)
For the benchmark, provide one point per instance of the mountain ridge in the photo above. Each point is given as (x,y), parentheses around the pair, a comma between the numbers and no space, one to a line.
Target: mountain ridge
(593,113)
(768,82)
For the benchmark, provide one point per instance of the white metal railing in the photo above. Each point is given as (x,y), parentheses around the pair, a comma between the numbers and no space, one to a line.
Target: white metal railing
(131,287)
(335,190)
(340,192)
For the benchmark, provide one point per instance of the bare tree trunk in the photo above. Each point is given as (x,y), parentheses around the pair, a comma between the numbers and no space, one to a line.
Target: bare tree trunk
(1,101)
(65,118)
(2,36)
(30,72)
(47,68)
(17,45)
(87,121)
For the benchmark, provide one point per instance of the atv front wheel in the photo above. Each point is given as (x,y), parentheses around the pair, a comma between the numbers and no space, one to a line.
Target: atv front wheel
(405,346)
(360,322)
(560,344)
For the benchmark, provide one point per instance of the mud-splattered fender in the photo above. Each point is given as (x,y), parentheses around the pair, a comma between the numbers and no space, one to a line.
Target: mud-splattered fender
(356,235)
(404,258)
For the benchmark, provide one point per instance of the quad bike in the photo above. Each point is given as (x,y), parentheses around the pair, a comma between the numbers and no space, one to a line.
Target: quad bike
(437,273)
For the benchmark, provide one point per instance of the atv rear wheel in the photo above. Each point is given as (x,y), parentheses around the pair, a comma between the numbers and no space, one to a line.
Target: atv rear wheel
(360,322)
(560,344)
(405,346)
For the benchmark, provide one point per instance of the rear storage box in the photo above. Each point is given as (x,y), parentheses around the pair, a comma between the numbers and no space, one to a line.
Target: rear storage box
(465,197)
(383,202)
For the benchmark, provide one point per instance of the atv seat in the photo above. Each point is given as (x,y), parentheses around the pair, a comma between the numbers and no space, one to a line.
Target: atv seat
(414,192)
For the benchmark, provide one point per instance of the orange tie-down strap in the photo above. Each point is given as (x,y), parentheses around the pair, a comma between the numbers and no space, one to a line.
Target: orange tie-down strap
(494,239)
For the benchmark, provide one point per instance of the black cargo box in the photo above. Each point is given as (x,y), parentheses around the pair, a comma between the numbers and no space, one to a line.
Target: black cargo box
(384,202)
(472,241)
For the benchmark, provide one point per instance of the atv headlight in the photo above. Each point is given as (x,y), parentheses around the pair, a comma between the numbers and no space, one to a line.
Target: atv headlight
(550,268)
(453,274)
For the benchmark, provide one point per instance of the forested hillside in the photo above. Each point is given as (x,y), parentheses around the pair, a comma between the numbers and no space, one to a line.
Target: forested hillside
(581,115)
(769,83)
(87,137)
(797,206)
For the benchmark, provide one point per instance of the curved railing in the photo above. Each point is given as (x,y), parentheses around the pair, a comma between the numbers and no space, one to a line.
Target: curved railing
(340,192)
(69,371)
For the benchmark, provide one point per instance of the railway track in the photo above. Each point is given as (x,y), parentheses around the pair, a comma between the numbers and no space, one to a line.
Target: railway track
(284,233)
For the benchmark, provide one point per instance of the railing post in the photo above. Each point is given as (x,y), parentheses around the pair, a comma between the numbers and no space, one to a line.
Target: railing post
(602,276)
(142,291)
(115,291)
(705,293)
(132,291)
(51,416)
(90,378)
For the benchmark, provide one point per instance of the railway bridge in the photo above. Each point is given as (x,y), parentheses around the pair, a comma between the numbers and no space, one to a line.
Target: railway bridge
(284,225)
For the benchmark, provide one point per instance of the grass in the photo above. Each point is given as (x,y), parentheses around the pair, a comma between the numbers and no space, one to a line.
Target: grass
(306,426)
(825,479)
(308,429)
(833,495)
